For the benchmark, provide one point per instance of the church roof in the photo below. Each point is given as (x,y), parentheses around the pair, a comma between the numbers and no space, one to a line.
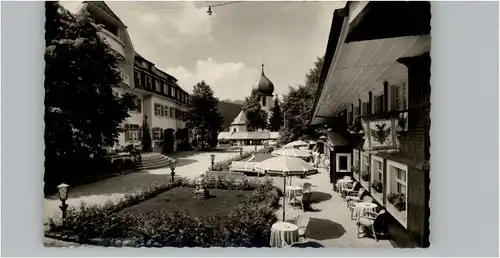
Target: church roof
(264,86)
(241,119)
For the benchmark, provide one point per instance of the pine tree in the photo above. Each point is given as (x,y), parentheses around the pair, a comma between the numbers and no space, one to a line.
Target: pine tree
(256,116)
(276,120)
(146,136)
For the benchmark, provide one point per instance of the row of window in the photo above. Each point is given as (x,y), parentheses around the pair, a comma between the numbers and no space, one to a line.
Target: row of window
(169,112)
(159,86)
(397,100)
(397,172)
(133,132)
(396,178)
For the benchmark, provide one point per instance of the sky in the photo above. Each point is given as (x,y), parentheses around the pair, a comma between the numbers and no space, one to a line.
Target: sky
(226,50)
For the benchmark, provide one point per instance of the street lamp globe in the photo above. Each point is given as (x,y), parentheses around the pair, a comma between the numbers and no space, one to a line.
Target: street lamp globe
(212,157)
(63,191)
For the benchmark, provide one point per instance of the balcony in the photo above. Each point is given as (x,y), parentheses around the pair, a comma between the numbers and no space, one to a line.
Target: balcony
(113,41)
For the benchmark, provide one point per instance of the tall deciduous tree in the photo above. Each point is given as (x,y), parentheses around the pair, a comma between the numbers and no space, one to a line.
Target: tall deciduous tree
(82,116)
(202,113)
(298,105)
(276,120)
(256,116)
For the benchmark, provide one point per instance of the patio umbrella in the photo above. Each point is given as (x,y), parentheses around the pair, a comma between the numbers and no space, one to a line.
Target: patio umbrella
(295,144)
(296,153)
(278,165)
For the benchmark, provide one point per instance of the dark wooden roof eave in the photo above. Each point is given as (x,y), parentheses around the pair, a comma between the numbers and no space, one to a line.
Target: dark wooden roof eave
(333,40)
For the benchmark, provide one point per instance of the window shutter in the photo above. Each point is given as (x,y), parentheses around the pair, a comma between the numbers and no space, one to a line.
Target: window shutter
(139,105)
(127,136)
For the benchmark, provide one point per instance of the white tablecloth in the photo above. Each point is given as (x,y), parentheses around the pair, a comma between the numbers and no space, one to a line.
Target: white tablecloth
(341,183)
(362,207)
(283,231)
(292,191)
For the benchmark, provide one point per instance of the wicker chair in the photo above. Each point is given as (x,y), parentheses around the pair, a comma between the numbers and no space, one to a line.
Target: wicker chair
(354,196)
(352,204)
(367,221)
(301,221)
(348,188)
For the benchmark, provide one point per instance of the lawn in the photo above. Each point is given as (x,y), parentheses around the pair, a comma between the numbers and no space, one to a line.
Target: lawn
(222,202)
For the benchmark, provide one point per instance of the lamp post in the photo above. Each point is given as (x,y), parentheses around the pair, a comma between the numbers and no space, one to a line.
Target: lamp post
(285,174)
(63,196)
(172,167)
(212,157)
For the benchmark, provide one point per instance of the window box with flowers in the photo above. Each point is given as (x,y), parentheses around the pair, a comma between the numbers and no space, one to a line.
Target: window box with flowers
(365,170)
(377,173)
(397,201)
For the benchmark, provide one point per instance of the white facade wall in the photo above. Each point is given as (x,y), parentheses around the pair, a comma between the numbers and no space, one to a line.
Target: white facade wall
(238,128)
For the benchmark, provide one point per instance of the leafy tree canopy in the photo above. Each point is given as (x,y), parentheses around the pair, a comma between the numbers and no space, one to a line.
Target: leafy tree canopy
(298,105)
(82,115)
(203,115)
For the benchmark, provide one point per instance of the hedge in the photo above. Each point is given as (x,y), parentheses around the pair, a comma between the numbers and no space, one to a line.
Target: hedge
(248,225)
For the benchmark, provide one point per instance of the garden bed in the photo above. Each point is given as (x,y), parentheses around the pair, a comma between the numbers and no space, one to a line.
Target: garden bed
(241,214)
(221,202)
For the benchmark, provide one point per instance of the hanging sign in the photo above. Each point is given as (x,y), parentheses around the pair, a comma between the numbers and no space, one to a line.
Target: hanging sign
(380,135)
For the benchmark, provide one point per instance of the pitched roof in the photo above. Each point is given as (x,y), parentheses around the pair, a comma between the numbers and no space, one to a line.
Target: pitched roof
(241,119)
(105,8)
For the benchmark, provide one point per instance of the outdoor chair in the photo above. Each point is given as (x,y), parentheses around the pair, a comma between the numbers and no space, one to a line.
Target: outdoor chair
(352,204)
(303,199)
(284,244)
(348,188)
(301,222)
(354,196)
(368,221)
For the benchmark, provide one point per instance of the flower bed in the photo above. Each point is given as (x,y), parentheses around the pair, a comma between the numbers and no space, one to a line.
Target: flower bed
(247,224)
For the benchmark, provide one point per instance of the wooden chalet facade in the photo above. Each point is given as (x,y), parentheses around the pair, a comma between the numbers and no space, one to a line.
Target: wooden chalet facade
(377,66)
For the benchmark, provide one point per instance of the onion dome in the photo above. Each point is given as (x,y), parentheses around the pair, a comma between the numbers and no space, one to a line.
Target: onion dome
(264,86)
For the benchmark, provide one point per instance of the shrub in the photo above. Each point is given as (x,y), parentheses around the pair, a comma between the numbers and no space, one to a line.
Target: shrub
(377,186)
(398,200)
(365,175)
(248,225)
(225,164)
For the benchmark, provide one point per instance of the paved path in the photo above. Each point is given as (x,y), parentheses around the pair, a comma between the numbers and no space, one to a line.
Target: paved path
(333,209)
(189,164)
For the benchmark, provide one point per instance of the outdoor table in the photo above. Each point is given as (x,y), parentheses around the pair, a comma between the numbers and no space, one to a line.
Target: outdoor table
(292,192)
(363,207)
(283,231)
(341,183)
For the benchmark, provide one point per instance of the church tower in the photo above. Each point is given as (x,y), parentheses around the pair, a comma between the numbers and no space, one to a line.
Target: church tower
(265,88)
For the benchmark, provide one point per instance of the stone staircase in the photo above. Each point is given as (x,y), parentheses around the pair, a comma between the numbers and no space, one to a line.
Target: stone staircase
(154,161)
